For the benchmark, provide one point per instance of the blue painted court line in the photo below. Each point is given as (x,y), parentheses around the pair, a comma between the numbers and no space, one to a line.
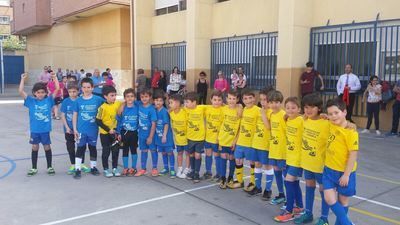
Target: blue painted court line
(13,166)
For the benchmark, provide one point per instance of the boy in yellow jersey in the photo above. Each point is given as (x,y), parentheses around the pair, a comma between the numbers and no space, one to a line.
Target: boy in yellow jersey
(339,176)
(179,130)
(314,143)
(106,119)
(277,149)
(260,144)
(294,132)
(243,146)
(196,133)
(213,115)
(227,137)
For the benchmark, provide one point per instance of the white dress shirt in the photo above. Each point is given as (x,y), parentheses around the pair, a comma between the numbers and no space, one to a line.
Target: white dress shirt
(353,82)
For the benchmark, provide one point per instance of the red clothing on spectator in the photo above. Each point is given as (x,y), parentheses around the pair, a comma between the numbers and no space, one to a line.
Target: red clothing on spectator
(52,87)
(156,78)
(221,84)
(310,77)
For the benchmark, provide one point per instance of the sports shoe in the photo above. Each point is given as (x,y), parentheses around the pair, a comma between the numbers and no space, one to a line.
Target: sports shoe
(235,185)
(256,191)
(305,218)
(154,172)
(179,172)
(207,176)
(125,172)
(51,171)
(321,222)
(278,199)
(94,171)
(140,173)
(132,172)
(216,178)
(116,172)
(77,174)
(181,175)
(85,169)
(298,211)
(186,171)
(390,134)
(222,184)
(365,131)
(172,174)
(190,176)
(284,217)
(196,178)
(164,172)
(32,172)
(71,170)
(378,133)
(250,186)
(266,196)
(107,173)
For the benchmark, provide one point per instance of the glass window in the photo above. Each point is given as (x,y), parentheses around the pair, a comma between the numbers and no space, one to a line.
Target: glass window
(4,2)
(4,20)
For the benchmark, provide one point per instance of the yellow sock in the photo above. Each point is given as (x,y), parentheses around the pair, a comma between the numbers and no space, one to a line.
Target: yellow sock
(239,173)
(252,177)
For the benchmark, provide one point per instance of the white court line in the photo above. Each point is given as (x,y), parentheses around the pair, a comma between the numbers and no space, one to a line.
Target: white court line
(128,205)
(3,102)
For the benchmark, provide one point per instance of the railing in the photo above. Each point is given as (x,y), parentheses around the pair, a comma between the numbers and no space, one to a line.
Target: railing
(167,56)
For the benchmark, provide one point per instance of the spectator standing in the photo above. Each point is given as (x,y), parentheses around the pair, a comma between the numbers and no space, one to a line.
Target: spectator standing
(141,81)
(98,83)
(221,84)
(311,80)
(202,88)
(175,80)
(234,78)
(395,111)
(155,79)
(44,75)
(374,92)
(347,86)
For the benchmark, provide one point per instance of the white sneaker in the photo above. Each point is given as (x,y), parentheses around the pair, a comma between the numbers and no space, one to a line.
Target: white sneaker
(378,133)
(365,131)
(186,171)
(179,171)
(181,174)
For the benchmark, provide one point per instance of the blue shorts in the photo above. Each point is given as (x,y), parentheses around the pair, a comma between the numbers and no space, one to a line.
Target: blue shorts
(195,146)
(245,152)
(261,156)
(308,175)
(87,139)
(144,146)
(208,145)
(166,149)
(181,148)
(226,150)
(330,180)
(294,171)
(280,163)
(37,138)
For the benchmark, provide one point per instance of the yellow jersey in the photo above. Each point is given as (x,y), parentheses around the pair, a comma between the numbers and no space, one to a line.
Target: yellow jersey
(229,126)
(248,126)
(213,123)
(314,143)
(277,149)
(107,113)
(196,130)
(179,127)
(262,134)
(294,132)
(340,142)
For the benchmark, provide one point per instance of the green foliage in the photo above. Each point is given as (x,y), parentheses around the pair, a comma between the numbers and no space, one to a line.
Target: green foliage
(13,43)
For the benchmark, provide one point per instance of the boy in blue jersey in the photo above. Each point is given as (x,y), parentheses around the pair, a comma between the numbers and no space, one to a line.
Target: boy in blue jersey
(127,132)
(39,106)
(147,128)
(164,140)
(85,127)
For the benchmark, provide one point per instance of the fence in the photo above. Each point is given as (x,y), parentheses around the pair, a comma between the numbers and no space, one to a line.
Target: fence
(167,56)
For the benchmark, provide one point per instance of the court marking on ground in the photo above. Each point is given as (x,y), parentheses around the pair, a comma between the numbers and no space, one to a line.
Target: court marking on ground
(12,168)
(3,102)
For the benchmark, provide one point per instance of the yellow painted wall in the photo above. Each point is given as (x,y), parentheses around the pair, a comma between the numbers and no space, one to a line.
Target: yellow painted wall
(169,28)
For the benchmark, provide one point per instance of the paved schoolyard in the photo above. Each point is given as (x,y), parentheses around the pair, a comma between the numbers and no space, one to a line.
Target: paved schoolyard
(127,200)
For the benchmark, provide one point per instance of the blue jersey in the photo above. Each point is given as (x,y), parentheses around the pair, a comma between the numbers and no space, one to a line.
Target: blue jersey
(128,120)
(87,111)
(147,115)
(67,108)
(162,119)
(97,81)
(39,113)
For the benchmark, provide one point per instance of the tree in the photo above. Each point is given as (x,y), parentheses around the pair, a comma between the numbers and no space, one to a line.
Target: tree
(13,43)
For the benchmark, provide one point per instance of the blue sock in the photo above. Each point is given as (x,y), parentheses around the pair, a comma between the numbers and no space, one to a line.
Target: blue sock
(192,163)
(232,165)
(134,160)
(290,195)
(208,163)
(310,194)
(154,158)
(218,164)
(165,160)
(125,162)
(346,209)
(143,159)
(258,176)
(269,179)
(223,167)
(324,208)
(279,180)
(298,194)
(171,161)
(197,165)
(340,213)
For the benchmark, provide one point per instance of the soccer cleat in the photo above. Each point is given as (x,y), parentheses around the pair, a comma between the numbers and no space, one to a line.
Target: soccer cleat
(256,191)
(235,185)
(125,172)
(51,171)
(266,196)
(94,171)
(216,178)
(196,178)
(305,218)
(77,174)
(321,222)
(284,217)
(190,176)
(222,184)
(116,172)
(278,200)
(32,172)
(71,170)
(298,211)
(107,173)
(132,172)
(85,169)
(207,176)
(172,174)
(164,172)
(154,172)
(249,187)
(140,173)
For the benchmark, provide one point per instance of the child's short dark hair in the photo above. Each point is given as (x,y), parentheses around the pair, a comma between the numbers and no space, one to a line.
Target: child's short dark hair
(313,99)
(266,90)
(129,91)
(72,85)
(275,96)
(87,80)
(233,93)
(293,100)
(216,93)
(107,89)
(39,86)
(159,94)
(176,97)
(338,102)
(248,92)
(89,75)
(192,96)
(104,74)
(309,64)
(146,92)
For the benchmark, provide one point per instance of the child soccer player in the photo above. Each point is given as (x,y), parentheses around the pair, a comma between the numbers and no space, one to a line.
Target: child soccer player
(85,127)
(339,176)
(147,128)
(294,132)
(127,132)
(106,119)
(66,117)
(39,106)
(277,151)
(179,128)
(227,137)
(213,123)
(163,139)
(260,144)
(246,133)
(195,134)
(314,143)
